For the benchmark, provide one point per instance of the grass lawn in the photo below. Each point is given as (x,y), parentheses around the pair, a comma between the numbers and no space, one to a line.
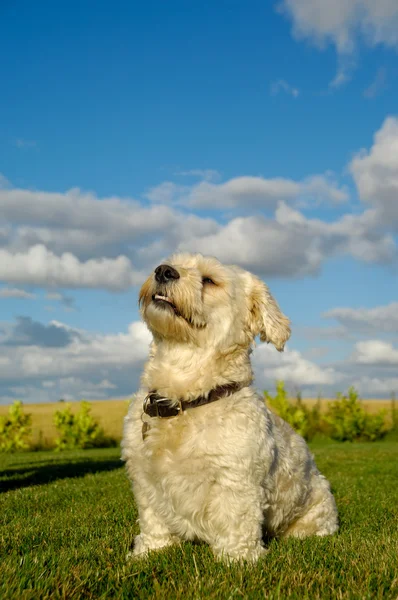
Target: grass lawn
(67,521)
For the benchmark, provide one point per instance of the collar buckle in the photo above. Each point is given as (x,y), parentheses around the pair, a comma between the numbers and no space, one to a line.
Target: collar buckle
(163,408)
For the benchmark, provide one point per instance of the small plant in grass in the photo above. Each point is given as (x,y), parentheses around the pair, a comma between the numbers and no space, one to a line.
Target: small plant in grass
(79,430)
(15,428)
(347,420)
(304,420)
(394,412)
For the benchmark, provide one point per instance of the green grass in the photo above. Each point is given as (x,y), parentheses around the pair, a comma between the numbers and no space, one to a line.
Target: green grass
(67,522)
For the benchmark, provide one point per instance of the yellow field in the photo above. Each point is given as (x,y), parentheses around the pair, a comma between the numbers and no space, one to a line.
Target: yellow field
(110,414)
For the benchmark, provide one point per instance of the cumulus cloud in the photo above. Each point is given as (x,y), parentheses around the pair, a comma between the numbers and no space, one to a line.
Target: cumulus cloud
(43,362)
(375,352)
(47,367)
(380,319)
(76,210)
(291,367)
(27,332)
(38,266)
(375,173)
(77,240)
(88,226)
(292,245)
(248,192)
(263,246)
(343,23)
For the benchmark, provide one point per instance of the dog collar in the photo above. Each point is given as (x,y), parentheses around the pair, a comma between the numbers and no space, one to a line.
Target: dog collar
(156,405)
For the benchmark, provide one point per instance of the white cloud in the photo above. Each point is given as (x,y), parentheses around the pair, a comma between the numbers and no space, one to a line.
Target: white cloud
(165,192)
(262,245)
(38,266)
(78,240)
(89,365)
(375,352)
(366,320)
(7,292)
(99,366)
(84,354)
(87,226)
(291,367)
(241,191)
(248,192)
(319,189)
(283,86)
(343,23)
(78,211)
(371,369)
(376,173)
(292,245)
(376,386)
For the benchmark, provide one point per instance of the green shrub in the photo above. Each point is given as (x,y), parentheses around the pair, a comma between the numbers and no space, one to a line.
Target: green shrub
(347,420)
(15,428)
(79,430)
(306,421)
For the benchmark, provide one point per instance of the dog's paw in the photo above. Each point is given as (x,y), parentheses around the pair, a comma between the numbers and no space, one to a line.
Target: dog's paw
(145,544)
(250,554)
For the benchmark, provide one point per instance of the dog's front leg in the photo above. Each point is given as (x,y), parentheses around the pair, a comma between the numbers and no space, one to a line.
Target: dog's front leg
(235,524)
(154,534)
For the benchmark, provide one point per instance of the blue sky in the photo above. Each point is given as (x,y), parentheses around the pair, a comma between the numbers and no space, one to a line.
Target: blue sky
(135,129)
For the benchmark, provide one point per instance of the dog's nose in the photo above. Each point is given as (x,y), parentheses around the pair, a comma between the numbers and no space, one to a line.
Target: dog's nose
(165,273)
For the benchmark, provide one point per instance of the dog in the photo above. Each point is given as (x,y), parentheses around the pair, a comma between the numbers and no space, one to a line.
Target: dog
(207,460)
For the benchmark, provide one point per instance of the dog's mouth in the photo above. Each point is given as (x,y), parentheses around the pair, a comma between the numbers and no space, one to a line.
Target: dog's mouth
(165,302)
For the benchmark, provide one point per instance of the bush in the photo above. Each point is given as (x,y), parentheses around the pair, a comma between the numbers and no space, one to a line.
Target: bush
(347,420)
(79,430)
(14,429)
(306,421)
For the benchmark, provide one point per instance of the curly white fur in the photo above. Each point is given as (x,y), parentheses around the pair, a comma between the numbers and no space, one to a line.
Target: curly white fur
(230,471)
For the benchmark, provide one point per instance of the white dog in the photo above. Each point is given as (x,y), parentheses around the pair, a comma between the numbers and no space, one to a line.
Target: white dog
(206,458)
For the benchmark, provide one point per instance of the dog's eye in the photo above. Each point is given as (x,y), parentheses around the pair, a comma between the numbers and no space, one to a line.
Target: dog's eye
(207,280)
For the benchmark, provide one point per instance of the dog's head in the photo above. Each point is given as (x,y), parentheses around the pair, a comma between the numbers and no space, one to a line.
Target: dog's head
(195,298)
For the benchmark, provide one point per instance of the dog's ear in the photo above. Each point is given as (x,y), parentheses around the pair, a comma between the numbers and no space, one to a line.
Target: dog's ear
(265,317)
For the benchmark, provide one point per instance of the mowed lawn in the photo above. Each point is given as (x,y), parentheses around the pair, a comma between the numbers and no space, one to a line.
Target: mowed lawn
(67,522)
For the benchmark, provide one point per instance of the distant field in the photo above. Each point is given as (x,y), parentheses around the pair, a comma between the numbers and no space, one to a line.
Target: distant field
(110,414)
